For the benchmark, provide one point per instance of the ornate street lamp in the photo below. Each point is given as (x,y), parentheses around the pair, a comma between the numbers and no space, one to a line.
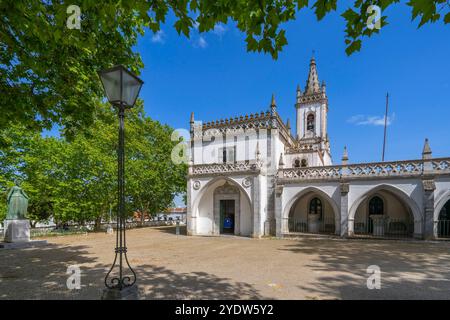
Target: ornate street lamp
(122,89)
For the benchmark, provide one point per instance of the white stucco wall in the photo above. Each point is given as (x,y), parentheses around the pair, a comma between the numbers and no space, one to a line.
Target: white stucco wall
(206,149)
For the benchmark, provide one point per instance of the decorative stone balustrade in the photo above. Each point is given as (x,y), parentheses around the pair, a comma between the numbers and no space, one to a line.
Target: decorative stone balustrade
(353,171)
(224,168)
(367,170)
(329,172)
(386,169)
(441,165)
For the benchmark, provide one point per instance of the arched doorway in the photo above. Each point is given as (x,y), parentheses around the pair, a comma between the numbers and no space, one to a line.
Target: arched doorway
(312,213)
(383,214)
(223,207)
(227,209)
(443,228)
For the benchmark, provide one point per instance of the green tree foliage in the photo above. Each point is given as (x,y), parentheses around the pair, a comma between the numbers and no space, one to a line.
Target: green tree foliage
(48,71)
(76,180)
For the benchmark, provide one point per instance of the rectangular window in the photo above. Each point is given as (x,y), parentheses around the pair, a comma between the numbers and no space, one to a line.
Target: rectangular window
(227,155)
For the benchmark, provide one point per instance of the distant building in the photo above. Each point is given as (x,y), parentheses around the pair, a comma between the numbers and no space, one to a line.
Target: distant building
(250,176)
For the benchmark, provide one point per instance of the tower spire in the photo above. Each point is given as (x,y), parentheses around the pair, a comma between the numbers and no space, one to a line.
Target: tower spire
(312,85)
(426,153)
(273,106)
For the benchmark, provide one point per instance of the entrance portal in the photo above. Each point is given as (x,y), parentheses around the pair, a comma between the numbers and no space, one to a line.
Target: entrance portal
(227,216)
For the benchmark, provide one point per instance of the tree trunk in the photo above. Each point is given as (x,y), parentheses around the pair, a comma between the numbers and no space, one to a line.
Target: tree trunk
(98,224)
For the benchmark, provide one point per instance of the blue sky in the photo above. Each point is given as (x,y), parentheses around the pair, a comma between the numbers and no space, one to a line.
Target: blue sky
(215,77)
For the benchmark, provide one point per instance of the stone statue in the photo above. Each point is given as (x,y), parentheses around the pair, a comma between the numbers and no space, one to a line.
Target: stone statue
(17,204)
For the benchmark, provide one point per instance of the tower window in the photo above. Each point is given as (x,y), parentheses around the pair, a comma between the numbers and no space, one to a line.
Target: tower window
(227,155)
(297,163)
(304,163)
(310,122)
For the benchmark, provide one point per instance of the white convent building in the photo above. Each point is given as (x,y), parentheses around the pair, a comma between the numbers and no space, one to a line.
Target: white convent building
(250,176)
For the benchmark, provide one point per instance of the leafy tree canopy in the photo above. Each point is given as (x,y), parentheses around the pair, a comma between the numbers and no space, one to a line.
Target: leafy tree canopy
(76,180)
(48,71)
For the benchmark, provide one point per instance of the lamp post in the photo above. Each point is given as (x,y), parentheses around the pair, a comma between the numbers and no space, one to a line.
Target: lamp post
(122,89)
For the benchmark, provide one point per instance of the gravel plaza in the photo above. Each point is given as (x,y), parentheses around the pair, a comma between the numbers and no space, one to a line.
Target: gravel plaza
(228,267)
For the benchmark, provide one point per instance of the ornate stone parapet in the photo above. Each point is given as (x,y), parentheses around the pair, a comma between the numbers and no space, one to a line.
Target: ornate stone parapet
(225,168)
(311,173)
(377,170)
(440,165)
(386,169)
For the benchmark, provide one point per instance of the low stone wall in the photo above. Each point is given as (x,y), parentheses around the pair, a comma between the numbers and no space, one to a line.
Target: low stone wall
(75,229)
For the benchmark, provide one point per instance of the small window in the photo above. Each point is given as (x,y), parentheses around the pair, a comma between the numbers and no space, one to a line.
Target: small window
(297,163)
(310,122)
(376,206)
(226,155)
(304,163)
(315,207)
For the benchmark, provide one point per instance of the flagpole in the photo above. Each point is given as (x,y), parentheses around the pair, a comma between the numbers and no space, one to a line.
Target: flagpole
(385,126)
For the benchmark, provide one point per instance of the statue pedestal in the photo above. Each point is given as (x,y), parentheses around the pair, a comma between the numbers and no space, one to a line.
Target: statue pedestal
(17,230)
(17,235)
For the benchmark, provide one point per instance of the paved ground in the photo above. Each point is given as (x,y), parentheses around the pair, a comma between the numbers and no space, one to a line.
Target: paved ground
(180,267)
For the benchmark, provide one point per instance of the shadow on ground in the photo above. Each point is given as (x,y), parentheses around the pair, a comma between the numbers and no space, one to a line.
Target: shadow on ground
(409,270)
(172,230)
(40,273)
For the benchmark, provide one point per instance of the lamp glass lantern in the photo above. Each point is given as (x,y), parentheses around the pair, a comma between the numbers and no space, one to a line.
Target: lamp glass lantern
(121,86)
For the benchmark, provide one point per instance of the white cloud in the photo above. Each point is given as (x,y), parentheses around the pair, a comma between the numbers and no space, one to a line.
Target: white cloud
(159,37)
(364,120)
(201,42)
(220,30)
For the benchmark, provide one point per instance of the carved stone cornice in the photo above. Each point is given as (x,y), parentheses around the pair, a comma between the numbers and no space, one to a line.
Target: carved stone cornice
(238,125)
(279,190)
(345,188)
(256,120)
(312,98)
(215,169)
(226,188)
(429,185)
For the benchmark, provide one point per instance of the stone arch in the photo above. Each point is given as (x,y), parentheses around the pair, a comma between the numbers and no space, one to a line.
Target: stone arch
(443,199)
(211,182)
(400,194)
(318,192)
(441,228)
(205,208)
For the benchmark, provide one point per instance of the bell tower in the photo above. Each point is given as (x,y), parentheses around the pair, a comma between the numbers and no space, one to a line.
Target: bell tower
(311,115)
